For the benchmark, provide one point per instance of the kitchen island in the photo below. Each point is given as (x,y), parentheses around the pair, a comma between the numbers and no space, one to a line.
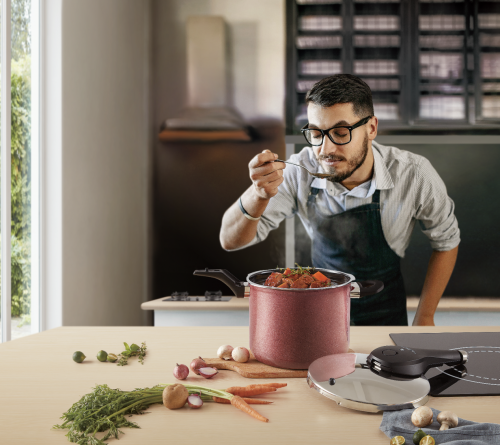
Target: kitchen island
(451,311)
(39,381)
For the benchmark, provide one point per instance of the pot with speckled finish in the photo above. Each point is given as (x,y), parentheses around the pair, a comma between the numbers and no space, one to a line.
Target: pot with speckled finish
(290,328)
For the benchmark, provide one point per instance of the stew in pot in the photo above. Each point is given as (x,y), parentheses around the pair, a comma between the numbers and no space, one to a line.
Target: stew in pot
(301,278)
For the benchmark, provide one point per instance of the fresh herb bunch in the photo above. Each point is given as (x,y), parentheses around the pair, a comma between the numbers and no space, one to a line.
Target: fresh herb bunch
(300,270)
(131,351)
(105,409)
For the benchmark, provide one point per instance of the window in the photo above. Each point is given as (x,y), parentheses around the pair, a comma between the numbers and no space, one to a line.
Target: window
(20,312)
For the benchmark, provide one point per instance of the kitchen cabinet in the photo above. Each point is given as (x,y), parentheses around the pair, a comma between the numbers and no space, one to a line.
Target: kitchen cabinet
(429,64)
(39,381)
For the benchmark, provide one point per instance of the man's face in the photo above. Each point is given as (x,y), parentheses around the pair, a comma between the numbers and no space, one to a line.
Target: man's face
(339,160)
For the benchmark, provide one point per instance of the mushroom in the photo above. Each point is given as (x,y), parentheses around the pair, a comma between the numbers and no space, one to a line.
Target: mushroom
(447,419)
(422,416)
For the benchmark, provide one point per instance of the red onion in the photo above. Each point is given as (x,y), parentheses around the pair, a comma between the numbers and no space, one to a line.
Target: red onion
(194,401)
(181,372)
(196,364)
(207,372)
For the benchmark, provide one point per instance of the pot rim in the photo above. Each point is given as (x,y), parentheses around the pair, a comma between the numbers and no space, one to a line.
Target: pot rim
(350,277)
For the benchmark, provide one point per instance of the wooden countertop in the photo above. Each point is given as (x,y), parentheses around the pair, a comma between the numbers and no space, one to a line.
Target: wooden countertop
(460,304)
(39,381)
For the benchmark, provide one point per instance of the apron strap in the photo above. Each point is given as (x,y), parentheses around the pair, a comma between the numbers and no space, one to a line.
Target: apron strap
(312,195)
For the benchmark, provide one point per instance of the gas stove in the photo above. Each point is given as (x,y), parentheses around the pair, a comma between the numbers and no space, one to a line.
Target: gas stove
(478,377)
(209,296)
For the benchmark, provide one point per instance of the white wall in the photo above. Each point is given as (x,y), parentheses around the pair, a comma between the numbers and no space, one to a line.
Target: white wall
(256,45)
(105,161)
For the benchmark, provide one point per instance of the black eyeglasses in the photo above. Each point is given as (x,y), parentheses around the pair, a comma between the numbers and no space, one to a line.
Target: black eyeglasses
(338,135)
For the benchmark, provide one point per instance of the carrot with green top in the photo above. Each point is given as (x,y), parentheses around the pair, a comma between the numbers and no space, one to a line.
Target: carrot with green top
(272,385)
(239,403)
(246,399)
(246,391)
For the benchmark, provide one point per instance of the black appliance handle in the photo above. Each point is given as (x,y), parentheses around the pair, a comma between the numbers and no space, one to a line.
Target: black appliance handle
(237,286)
(413,362)
(444,380)
(367,287)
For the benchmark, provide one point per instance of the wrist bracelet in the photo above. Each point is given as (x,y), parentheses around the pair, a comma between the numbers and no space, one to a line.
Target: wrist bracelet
(245,213)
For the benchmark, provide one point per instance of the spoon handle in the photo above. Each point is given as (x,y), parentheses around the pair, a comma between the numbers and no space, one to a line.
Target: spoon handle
(288,162)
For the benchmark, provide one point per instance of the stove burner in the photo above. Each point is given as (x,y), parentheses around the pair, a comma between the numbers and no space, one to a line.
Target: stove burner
(180,296)
(213,295)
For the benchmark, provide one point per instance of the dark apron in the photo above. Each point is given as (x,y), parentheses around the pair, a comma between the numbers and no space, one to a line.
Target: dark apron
(353,242)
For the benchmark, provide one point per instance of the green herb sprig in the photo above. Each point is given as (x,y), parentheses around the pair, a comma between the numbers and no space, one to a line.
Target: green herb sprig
(132,351)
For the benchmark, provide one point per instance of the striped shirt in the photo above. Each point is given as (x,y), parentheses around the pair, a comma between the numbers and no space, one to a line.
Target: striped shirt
(410,190)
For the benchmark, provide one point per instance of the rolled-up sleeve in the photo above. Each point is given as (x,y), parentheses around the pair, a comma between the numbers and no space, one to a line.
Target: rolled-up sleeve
(281,206)
(435,210)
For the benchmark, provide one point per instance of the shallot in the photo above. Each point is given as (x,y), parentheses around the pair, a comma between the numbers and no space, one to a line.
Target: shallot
(225,352)
(181,372)
(240,354)
(208,372)
(196,364)
(194,401)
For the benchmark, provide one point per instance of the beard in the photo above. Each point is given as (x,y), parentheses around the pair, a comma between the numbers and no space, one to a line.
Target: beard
(352,164)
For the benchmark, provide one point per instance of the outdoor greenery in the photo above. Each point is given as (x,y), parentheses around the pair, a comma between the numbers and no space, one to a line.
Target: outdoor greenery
(21,159)
(21,186)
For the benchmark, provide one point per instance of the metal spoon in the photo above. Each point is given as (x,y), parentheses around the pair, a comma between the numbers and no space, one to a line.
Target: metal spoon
(317,175)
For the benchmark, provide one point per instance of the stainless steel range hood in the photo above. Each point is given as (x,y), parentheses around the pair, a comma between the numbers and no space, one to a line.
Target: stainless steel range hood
(208,117)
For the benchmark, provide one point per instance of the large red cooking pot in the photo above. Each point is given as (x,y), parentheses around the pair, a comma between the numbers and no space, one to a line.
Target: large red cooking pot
(290,328)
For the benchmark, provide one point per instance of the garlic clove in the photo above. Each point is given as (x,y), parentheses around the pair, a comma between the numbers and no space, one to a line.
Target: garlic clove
(207,372)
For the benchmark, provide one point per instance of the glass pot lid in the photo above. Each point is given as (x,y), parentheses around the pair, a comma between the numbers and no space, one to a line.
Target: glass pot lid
(347,379)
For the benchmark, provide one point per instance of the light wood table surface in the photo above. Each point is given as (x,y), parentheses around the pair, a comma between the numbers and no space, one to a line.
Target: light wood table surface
(39,381)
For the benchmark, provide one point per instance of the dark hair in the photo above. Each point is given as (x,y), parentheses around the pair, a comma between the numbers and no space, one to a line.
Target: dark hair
(341,89)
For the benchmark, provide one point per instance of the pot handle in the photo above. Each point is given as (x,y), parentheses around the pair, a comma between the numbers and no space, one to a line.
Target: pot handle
(365,288)
(238,287)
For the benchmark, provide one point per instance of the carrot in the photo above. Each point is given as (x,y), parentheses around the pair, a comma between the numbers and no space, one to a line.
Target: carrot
(255,391)
(272,385)
(239,403)
(287,272)
(246,399)
(320,277)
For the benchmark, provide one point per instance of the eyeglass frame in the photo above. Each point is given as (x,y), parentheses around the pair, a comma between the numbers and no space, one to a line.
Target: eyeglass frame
(327,131)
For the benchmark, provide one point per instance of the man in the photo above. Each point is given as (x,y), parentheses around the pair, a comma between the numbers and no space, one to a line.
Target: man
(360,220)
